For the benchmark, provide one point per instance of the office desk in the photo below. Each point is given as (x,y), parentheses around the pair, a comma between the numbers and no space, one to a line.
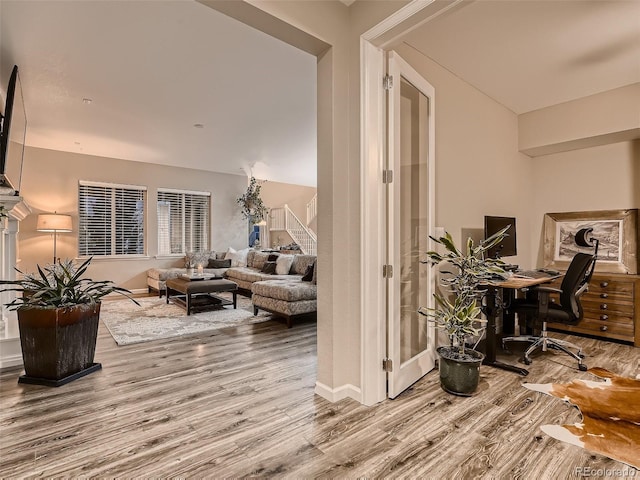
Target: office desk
(493,310)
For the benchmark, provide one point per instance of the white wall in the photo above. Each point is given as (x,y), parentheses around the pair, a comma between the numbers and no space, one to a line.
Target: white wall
(601,119)
(479,170)
(277,194)
(50,183)
(606,177)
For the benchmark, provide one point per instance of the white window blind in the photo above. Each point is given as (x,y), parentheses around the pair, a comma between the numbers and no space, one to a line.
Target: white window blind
(183,221)
(112,219)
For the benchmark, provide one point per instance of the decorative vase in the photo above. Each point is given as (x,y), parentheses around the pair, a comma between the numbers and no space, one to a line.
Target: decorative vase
(58,344)
(459,375)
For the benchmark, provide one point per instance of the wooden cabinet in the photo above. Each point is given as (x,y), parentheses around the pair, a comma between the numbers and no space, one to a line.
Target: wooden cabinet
(611,308)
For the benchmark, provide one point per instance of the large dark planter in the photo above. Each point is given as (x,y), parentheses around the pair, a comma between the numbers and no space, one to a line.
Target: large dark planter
(459,375)
(58,344)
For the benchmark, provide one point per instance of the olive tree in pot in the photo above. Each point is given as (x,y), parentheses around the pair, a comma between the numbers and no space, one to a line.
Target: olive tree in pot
(459,316)
(58,315)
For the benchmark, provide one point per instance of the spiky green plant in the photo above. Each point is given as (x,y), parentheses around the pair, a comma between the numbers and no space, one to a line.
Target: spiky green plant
(460,317)
(59,285)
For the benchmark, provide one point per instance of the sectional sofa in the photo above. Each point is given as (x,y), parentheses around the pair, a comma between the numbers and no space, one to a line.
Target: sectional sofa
(283,284)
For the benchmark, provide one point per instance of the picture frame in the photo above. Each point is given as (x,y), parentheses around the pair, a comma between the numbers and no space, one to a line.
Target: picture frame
(616,230)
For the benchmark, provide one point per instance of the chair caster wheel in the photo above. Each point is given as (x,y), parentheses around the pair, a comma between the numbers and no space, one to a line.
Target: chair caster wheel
(582,355)
(582,367)
(526,361)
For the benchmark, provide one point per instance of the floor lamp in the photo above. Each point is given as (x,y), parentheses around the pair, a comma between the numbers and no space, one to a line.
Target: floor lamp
(54,223)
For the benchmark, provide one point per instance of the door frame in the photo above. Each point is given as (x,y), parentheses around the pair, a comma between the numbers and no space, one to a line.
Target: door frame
(373,44)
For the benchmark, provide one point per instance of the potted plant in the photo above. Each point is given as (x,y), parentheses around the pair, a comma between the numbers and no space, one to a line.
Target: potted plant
(58,315)
(460,316)
(251,203)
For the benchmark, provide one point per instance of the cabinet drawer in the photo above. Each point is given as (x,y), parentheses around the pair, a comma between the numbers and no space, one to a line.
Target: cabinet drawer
(608,317)
(622,308)
(607,296)
(618,331)
(599,286)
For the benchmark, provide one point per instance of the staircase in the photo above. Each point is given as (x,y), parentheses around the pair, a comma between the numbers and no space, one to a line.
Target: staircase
(284,219)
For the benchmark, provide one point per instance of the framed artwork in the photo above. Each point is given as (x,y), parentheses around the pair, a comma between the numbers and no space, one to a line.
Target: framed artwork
(616,230)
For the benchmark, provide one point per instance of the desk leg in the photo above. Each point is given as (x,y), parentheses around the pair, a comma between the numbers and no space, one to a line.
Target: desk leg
(493,310)
(508,318)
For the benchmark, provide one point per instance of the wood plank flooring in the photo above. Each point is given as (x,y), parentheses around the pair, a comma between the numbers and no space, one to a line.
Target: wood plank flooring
(240,403)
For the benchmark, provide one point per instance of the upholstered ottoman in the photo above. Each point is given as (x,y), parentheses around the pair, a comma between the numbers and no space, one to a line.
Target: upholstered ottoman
(286,298)
(200,293)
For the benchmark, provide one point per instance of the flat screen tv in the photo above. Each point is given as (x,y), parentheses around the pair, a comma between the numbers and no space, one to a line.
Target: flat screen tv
(508,247)
(12,136)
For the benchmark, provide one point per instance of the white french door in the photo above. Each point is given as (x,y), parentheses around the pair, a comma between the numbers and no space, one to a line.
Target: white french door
(410,221)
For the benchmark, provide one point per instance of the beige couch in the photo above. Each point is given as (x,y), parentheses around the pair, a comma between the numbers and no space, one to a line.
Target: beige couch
(253,272)
(284,293)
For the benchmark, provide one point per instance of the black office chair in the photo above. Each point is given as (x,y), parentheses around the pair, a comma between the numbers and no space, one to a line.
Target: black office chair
(574,284)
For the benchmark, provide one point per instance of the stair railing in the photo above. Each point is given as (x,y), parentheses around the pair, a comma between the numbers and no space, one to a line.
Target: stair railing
(312,209)
(283,218)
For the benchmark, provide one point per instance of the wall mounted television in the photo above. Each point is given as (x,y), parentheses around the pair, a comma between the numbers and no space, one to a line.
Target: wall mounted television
(508,247)
(12,136)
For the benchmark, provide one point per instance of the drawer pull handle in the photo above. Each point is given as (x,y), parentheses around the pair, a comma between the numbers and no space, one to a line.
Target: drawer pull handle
(604,328)
(604,306)
(604,295)
(604,284)
(604,317)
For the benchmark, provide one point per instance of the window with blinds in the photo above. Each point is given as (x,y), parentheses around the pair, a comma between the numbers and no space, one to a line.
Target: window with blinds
(112,219)
(183,221)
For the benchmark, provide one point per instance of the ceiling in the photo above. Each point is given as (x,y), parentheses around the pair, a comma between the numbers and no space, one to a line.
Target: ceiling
(154,69)
(529,55)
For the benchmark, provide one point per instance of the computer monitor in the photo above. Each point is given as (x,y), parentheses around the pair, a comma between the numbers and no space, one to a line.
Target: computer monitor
(506,248)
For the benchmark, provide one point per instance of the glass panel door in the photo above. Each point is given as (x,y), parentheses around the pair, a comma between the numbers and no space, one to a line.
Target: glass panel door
(411,339)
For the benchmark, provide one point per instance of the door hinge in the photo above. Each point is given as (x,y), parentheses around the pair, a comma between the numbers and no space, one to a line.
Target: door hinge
(387,176)
(387,271)
(387,365)
(387,82)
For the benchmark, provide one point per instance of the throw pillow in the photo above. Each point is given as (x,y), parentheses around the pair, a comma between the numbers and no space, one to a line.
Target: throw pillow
(240,258)
(283,264)
(259,259)
(269,267)
(308,275)
(213,263)
(273,257)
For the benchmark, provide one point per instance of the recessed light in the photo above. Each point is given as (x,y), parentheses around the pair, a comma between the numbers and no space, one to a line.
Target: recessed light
(86,101)
(198,125)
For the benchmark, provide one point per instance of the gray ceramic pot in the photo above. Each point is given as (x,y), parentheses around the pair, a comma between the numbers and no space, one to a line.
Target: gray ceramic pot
(459,375)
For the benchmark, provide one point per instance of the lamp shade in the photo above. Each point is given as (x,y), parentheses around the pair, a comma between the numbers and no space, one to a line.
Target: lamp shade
(53,222)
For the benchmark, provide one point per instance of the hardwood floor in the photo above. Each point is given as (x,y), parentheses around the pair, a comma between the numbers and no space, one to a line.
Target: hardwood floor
(241,403)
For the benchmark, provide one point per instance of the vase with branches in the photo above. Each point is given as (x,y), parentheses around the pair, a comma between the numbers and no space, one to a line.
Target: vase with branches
(251,204)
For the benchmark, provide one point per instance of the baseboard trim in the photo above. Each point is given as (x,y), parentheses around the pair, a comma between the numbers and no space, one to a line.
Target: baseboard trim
(336,394)
(134,291)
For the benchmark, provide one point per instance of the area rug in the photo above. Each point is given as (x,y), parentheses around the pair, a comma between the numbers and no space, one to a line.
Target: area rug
(154,319)
(610,410)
